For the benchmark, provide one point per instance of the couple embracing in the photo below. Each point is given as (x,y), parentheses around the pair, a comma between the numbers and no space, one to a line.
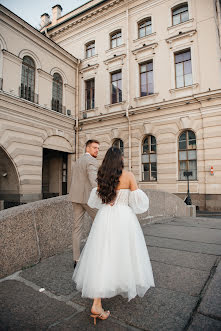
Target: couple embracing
(114,260)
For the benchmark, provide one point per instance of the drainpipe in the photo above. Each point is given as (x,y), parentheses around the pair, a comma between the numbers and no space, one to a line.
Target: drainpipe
(77,113)
(204,154)
(128,87)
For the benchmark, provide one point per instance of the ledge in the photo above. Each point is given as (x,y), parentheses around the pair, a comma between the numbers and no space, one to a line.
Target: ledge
(180,24)
(184,88)
(115,48)
(153,34)
(111,105)
(146,96)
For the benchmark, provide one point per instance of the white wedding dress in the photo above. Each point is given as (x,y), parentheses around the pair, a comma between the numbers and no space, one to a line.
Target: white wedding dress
(115,259)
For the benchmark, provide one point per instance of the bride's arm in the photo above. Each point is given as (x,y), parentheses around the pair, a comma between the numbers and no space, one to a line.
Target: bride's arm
(132,181)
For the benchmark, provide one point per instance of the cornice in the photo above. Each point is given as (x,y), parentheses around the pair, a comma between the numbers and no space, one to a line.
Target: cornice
(45,74)
(115,58)
(89,68)
(37,110)
(81,18)
(196,98)
(70,88)
(144,48)
(11,56)
(180,36)
(22,27)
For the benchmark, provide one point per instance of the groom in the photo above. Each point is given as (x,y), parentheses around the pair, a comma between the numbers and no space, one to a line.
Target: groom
(84,174)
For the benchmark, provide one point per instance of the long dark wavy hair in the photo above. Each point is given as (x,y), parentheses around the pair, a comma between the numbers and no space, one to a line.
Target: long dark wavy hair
(109,174)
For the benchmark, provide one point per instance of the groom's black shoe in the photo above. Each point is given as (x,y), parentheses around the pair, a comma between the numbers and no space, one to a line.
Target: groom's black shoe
(74,264)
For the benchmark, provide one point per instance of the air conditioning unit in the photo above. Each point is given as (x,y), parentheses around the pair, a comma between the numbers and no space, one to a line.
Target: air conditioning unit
(84,115)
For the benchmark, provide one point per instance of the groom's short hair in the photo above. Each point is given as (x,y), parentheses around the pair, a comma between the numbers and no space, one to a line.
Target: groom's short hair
(91,141)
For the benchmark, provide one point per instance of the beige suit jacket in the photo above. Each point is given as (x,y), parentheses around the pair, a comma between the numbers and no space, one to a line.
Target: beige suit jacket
(84,174)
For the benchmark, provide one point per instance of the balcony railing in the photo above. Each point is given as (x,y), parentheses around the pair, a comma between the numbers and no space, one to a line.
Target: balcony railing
(57,106)
(26,93)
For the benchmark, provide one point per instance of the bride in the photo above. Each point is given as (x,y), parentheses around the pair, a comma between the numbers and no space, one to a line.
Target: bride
(115,259)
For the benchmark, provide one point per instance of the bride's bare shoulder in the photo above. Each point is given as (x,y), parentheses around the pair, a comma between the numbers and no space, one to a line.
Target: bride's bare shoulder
(128,174)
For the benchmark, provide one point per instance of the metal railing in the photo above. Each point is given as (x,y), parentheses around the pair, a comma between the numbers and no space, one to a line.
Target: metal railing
(27,93)
(57,106)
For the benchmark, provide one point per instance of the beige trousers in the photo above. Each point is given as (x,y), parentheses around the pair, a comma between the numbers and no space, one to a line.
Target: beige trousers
(79,211)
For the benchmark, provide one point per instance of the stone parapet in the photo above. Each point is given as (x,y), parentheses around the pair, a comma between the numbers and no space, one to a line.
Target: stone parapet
(40,229)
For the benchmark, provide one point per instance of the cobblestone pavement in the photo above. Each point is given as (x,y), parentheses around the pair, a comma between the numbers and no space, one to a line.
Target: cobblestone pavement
(185,255)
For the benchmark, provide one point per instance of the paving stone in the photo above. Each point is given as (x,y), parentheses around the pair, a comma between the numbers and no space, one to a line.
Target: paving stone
(181,258)
(197,222)
(83,322)
(183,245)
(159,309)
(211,303)
(23,308)
(54,274)
(202,235)
(205,323)
(190,281)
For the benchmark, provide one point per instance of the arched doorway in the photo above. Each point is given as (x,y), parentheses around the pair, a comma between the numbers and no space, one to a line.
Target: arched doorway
(9,182)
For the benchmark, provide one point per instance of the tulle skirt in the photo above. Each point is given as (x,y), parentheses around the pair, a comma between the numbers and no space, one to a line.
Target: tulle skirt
(115,259)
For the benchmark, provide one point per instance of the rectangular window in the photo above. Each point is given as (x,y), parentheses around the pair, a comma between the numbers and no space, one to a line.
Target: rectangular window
(183,68)
(116,87)
(146,78)
(89,94)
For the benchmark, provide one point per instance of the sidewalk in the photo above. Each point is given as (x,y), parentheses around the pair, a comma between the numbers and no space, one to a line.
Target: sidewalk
(185,255)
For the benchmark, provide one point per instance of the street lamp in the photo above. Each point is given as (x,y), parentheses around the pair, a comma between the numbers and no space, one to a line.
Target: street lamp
(188,198)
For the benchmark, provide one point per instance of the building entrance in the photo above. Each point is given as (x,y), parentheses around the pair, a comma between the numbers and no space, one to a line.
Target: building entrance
(54,173)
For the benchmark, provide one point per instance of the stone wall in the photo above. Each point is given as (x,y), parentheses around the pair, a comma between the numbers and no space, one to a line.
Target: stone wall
(43,228)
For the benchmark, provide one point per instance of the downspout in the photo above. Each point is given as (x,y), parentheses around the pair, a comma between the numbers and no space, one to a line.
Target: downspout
(204,155)
(77,113)
(128,88)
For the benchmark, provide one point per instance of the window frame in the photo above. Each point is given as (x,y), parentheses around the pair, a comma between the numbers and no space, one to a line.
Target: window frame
(118,141)
(144,20)
(186,150)
(175,67)
(147,89)
(150,152)
(57,102)
(112,38)
(92,93)
(118,94)
(177,7)
(89,48)
(24,93)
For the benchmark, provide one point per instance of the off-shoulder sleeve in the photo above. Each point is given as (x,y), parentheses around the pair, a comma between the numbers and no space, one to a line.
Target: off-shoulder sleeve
(138,201)
(94,201)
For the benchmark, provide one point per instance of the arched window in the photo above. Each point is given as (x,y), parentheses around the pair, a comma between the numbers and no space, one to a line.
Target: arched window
(27,90)
(187,155)
(57,91)
(119,144)
(180,13)
(90,49)
(144,27)
(149,159)
(115,39)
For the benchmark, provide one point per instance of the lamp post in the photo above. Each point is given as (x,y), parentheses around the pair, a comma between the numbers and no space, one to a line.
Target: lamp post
(188,198)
